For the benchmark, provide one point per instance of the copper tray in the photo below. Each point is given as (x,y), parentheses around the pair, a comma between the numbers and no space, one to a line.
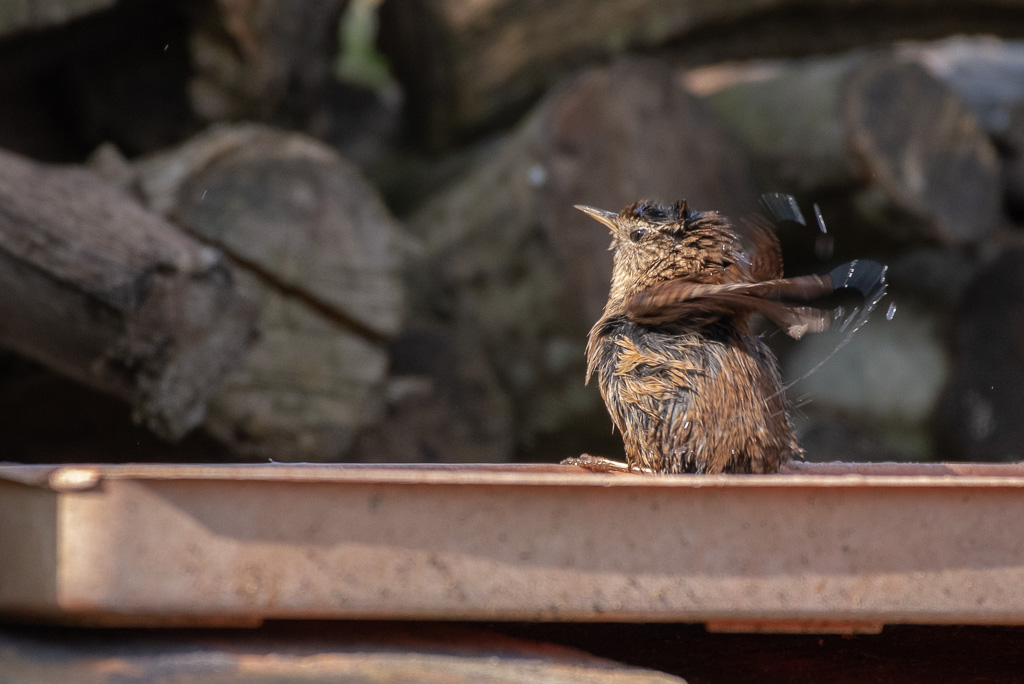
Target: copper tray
(819,548)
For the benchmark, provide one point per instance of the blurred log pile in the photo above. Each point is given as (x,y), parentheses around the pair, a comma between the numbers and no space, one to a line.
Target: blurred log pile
(203,227)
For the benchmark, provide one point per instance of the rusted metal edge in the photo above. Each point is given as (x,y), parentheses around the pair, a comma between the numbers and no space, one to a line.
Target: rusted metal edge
(79,477)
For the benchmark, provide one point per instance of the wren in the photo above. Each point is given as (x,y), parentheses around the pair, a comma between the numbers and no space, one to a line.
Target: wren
(688,383)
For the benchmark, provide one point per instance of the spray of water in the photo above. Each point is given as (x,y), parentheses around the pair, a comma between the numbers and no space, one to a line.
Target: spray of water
(853,321)
(866,277)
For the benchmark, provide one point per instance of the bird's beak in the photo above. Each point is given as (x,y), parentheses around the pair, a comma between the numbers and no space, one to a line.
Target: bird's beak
(605,217)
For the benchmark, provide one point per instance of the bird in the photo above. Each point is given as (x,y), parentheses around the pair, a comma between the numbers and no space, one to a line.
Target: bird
(686,380)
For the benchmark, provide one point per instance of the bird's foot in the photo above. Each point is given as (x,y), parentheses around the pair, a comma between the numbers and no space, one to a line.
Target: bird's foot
(600,464)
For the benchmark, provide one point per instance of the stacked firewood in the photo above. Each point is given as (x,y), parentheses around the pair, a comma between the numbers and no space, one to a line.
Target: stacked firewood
(223,241)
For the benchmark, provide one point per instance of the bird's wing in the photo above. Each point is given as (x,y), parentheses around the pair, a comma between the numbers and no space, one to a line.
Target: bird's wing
(681,298)
(684,298)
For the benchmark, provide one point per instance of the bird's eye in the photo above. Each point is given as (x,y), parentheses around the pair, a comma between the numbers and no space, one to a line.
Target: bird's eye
(637,235)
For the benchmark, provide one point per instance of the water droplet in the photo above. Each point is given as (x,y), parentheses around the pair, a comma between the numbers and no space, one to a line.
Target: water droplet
(537,175)
(743,253)
(854,319)
(891,312)
(686,425)
(821,219)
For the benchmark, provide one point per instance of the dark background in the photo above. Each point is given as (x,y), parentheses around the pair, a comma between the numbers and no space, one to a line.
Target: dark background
(442,145)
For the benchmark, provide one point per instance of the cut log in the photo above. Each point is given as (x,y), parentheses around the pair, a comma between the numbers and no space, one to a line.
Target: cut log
(443,404)
(788,114)
(986,71)
(466,64)
(98,289)
(979,418)
(146,75)
(269,60)
(881,123)
(305,391)
(324,256)
(470,66)
(989,74)
(289,207)
(40,14)
(933,159)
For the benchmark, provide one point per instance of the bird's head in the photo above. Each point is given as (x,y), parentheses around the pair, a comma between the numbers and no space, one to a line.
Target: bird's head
(654,243)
